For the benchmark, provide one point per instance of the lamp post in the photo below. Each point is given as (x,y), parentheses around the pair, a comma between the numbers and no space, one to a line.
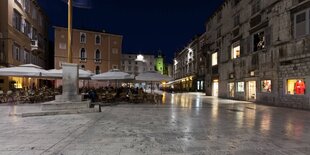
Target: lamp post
(70,31)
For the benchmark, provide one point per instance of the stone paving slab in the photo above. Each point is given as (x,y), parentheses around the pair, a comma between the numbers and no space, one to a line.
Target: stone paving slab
(204,126)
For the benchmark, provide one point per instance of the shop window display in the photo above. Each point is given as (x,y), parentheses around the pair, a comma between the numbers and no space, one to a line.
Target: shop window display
(296,87)
(240,87)
(266,86)
(231,87)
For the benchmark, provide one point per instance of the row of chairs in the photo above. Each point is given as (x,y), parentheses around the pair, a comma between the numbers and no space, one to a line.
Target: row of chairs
(21,96)
(131,98)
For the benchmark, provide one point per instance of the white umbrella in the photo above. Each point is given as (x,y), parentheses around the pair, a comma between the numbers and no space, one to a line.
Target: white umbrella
(57,73)
(152,76)
(113,74)
(26,70)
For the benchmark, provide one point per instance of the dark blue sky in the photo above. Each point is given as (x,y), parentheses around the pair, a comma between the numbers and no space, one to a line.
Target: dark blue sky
(146,25)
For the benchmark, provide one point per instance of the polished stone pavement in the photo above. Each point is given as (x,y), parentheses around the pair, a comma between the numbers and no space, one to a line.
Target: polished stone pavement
(184,124)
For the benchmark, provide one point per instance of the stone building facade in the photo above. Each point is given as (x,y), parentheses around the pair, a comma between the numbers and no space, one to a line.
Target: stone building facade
(137,63)
(23,38)
(189,66)
(259,50)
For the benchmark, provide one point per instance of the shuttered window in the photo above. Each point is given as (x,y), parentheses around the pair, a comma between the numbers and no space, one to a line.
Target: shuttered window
(300,24)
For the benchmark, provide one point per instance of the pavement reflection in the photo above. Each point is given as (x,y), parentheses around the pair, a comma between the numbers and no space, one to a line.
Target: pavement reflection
(241,114)
(186,123)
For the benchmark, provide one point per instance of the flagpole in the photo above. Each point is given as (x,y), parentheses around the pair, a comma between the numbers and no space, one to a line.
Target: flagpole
(69,31)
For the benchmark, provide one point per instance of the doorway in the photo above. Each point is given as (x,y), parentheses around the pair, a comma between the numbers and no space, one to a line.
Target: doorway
(231,89)
(252,90)
(215,88)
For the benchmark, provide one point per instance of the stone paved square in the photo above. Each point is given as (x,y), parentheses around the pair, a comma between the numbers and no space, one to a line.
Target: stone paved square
(185,124)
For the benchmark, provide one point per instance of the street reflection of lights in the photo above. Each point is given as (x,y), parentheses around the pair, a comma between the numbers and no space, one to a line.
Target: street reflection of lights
(240,118)
(164,98)
(250,118)
(214,112)
(198,102)
(265,123)
(172,99)
(294,129)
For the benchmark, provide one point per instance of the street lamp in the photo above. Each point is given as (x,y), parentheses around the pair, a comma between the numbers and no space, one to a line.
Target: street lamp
(140,58)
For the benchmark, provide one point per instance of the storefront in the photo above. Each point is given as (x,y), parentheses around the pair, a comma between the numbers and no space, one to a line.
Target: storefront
(265,86)
(296,87)
(200,86)
(231,89)
(11,83)
(215,87)
(182,85)
(251,93)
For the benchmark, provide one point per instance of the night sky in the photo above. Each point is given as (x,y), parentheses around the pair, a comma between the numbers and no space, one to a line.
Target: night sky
(146,25)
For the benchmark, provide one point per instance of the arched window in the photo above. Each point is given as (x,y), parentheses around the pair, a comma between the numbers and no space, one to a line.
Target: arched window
(83,38)
(98,39)
(97,70)
(83,54)
(97,56)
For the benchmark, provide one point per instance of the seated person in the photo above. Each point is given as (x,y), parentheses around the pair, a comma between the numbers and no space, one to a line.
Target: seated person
(92,95)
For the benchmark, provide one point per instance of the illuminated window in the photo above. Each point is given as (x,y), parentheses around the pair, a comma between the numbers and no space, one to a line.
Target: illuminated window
(259,41)
(235,50)
(214,59)
(296,86)
(266,86)
(240,87)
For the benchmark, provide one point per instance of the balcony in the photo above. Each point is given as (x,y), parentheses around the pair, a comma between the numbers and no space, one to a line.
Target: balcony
(36,47)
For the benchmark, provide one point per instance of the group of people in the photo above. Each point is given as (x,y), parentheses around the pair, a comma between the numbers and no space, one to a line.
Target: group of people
(93,93)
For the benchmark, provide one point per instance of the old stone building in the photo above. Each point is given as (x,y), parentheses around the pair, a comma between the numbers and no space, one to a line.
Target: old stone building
(189,66)
(137,63)
(258,50)
(23,39)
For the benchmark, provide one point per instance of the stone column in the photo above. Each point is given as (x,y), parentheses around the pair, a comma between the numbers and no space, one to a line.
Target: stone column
(70,86)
